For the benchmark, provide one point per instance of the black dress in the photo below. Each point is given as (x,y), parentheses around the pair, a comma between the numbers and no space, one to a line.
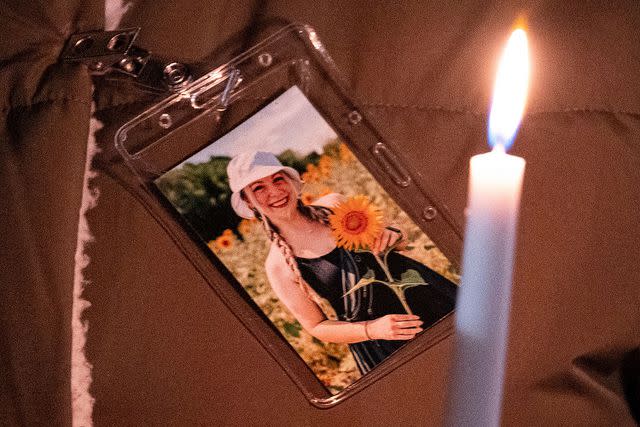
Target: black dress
(333,274)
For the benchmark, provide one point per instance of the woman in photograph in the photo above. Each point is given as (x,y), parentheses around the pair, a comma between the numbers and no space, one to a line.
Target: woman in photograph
(304,265)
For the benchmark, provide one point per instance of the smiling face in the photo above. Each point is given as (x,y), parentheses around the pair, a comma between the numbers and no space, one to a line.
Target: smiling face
(275,195)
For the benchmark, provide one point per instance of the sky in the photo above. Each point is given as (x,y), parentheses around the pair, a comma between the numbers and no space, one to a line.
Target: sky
(289,122)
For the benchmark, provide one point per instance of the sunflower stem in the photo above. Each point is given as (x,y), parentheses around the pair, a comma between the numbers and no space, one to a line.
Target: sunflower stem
(399,292)
(384,267)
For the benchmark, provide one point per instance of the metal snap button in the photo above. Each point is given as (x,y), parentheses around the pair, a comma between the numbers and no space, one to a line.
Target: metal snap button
(429,213)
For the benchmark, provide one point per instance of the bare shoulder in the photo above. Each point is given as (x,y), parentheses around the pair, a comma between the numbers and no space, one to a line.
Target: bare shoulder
(330,200)
(278,272)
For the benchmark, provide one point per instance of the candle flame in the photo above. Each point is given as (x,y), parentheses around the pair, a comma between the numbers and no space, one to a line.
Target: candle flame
(510,91)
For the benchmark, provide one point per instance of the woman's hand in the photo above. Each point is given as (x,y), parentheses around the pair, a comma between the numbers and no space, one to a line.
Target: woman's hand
(389,237)
(393,327)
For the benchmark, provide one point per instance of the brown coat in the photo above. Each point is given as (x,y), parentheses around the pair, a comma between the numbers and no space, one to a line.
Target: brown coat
(166,351)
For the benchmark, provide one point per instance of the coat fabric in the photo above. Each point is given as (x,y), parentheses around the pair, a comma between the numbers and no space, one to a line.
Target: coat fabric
(166,350)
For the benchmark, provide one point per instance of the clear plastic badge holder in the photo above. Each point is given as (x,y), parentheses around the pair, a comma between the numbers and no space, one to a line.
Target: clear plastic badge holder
(200,114)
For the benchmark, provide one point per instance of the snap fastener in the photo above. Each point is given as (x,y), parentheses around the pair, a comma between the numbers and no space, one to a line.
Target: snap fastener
(165,121)
(265,59)
(354,117)
(429,213)
(176,75)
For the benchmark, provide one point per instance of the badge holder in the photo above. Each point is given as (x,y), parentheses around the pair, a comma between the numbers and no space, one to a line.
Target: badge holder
(284,96)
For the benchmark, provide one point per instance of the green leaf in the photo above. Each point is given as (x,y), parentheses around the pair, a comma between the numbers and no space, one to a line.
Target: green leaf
(370,274)
(366,279)
(411,276)
(292,329)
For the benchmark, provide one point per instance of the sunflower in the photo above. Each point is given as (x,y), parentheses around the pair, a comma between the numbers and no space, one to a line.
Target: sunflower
(224,242)
(245,226)
(355,223)
(324,165)
(312,174)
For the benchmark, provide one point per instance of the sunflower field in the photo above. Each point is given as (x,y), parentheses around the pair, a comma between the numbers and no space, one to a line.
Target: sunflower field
(242,245)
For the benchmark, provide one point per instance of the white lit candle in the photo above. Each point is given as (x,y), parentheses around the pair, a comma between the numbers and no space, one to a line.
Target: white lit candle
(482,311)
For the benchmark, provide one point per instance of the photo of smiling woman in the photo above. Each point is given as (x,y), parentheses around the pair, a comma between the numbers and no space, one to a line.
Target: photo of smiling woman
(337,267)
(313,256)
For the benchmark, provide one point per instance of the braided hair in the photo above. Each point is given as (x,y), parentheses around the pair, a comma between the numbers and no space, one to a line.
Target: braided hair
(315,213)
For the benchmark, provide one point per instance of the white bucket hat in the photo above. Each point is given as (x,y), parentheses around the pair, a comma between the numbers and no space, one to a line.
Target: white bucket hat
(251,166)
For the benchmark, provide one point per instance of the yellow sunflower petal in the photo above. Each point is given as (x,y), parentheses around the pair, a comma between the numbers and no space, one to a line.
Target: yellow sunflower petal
(355,223)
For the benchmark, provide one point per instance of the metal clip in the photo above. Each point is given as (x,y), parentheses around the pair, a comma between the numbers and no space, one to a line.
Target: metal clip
(105,51)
